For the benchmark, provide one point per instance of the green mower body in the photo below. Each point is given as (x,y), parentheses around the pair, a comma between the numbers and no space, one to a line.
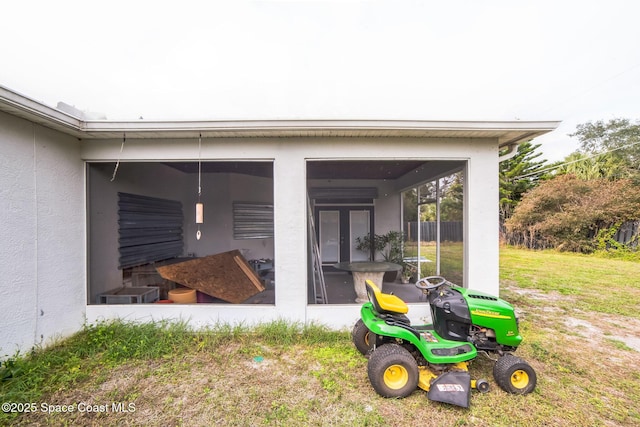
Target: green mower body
(465,322)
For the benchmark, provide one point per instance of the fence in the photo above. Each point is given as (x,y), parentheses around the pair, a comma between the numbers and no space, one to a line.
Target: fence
(628,234)
(450,231)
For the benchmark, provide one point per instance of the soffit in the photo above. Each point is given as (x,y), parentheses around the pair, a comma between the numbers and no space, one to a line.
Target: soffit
(325,169)
(405,173)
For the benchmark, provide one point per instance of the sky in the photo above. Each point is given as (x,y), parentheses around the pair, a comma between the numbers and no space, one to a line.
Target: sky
(572,61)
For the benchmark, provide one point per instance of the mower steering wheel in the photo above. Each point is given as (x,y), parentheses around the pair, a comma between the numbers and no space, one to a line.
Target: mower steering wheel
(430,283)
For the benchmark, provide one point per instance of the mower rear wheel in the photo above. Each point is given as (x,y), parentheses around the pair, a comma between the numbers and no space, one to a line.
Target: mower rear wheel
(362,337)
(514,375)
(393,371)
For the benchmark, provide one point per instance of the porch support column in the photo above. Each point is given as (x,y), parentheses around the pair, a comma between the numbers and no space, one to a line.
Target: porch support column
(290,230)
(482,255)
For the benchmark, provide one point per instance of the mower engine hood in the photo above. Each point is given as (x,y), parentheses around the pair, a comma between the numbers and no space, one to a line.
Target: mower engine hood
(494,313)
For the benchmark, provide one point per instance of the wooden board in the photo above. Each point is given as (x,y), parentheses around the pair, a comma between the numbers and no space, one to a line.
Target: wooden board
(227,276)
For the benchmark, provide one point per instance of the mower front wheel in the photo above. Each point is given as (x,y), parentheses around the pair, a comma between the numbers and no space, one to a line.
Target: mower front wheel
(514,375)
(362,337)
(393,371)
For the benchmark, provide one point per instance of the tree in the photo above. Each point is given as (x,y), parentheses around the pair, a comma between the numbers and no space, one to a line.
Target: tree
(451,200)
(588,167)
(518,175)
(409,205)
(572,214)
(619,139)
(410,202)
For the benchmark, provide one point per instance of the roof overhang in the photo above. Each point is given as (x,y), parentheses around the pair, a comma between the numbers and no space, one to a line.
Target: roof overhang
(507,133)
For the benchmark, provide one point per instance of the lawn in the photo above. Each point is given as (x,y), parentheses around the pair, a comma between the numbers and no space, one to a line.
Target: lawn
(451,259)
(580,317)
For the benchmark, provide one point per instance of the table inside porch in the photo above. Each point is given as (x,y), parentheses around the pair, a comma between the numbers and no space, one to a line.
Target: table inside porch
(366,270)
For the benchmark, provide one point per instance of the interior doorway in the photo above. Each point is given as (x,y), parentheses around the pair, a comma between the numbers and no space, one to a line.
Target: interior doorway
(338,229)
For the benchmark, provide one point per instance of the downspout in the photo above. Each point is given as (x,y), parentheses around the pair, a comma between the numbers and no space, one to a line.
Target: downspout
(512,150)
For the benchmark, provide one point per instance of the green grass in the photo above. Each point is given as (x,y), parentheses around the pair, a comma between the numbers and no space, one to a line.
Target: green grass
(591,282)
(451,259)
(579,316)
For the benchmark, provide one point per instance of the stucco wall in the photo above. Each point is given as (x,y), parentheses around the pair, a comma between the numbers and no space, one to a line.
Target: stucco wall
(289,156)
(42,223)
(43,256)
(481,235)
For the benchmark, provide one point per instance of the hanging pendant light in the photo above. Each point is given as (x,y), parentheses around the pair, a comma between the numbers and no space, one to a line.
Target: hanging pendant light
(199,204)
(199,213)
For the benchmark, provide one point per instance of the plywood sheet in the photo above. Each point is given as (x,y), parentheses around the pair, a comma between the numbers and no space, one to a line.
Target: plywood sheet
(227,276)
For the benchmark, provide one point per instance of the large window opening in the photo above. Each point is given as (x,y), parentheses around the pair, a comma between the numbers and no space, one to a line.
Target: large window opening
(363,214)
(152,238)
(433,218)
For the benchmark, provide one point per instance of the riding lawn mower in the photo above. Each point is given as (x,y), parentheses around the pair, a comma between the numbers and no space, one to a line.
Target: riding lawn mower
(435,357)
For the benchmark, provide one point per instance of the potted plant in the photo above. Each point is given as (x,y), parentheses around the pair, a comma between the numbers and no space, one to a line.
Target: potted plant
(394,247)
(408,273)
(371,245)
(389,245)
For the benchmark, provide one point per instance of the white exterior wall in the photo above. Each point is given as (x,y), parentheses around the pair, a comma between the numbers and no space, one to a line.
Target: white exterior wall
(289,192)
(43,256)
(42,229)
(481,231)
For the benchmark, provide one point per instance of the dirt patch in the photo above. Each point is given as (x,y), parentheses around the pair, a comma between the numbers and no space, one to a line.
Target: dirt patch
(539,294)
(596,329)
(617,328)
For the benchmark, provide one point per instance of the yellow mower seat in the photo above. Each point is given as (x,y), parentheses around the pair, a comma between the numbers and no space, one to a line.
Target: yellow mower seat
(385,303)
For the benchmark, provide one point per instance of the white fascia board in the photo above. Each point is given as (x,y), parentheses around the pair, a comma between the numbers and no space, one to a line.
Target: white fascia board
(35,111)
(508,132)
(319,125)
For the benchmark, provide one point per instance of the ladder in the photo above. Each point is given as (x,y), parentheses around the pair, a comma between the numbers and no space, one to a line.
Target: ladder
(319,286)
